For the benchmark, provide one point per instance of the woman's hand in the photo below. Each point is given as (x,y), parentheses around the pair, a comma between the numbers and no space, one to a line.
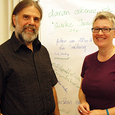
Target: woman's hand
(83,109)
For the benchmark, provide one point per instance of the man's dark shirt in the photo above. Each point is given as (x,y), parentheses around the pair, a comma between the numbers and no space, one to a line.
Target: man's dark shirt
(26,79)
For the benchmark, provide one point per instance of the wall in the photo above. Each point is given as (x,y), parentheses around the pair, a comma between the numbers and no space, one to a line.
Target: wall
(6,8)
(66,32)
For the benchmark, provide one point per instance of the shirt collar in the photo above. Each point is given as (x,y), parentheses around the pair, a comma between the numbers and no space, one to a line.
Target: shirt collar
(17,44)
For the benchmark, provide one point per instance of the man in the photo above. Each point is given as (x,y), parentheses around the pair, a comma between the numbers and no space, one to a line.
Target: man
(27,79)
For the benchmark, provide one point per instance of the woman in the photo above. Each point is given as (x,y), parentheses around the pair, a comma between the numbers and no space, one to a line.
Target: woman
(97,91)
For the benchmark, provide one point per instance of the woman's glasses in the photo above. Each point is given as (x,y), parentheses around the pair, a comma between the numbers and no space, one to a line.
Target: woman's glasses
(104,30)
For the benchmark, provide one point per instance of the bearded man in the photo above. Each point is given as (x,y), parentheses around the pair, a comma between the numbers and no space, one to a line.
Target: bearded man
(27,78)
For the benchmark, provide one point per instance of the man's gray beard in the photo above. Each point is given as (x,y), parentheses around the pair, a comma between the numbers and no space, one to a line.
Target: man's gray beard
(25,39)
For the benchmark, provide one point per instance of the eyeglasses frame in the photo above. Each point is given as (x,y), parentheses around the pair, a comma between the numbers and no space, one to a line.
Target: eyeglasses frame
(102,30)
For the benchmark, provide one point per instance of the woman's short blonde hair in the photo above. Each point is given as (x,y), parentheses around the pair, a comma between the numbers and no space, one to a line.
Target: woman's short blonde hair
(105,15)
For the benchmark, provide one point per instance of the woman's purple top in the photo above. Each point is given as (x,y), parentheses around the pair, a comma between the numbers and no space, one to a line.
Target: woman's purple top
(99,82)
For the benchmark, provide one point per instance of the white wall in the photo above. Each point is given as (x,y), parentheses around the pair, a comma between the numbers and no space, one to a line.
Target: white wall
(6,7)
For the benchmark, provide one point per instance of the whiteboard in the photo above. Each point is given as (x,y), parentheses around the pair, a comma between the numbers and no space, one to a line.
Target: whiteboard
(66,33)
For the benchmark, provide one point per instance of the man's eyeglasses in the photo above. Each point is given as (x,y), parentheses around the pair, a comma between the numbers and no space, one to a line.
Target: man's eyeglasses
(104,30)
